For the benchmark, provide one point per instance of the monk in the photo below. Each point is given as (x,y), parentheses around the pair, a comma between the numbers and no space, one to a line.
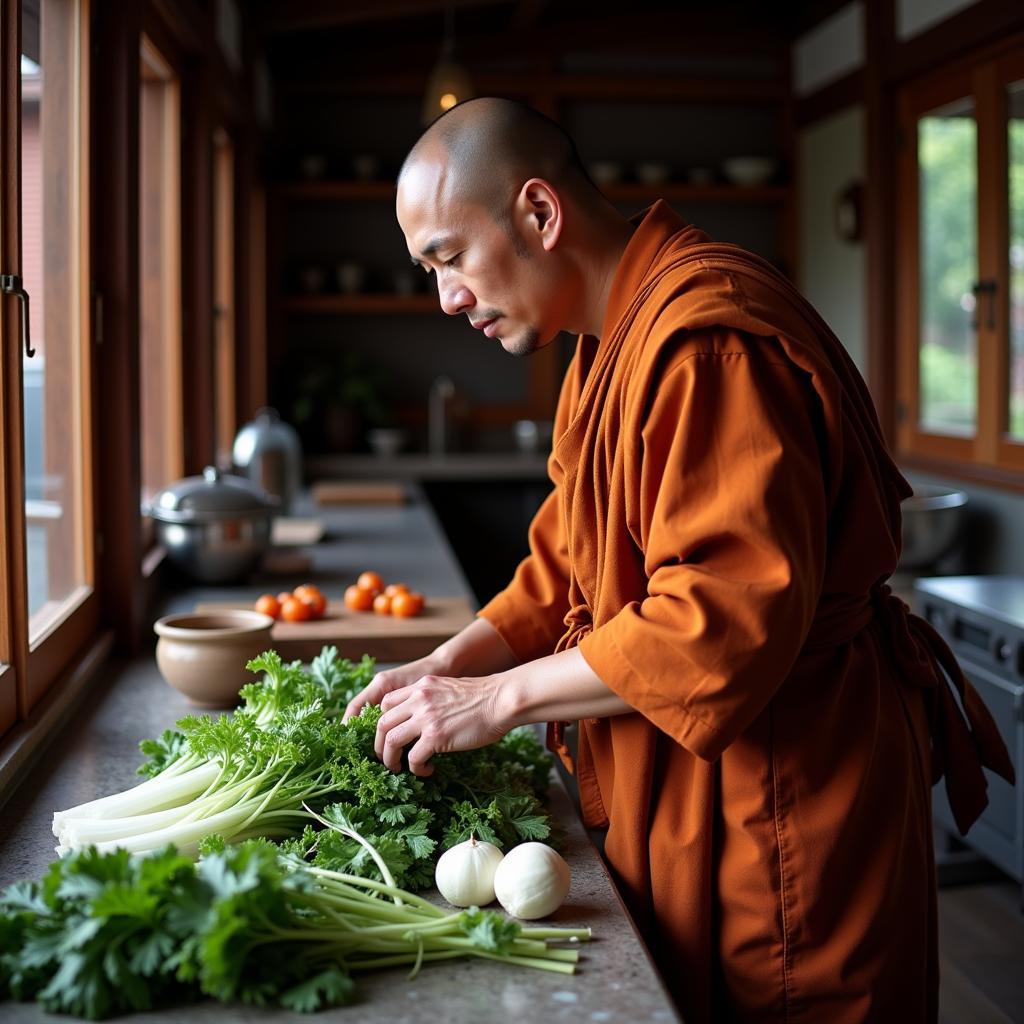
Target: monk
(760,720)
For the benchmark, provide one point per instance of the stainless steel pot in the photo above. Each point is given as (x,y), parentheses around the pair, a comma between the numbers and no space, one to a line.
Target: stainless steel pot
(215,527)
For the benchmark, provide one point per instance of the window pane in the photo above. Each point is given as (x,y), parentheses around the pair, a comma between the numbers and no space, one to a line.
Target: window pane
(1015,128)
(51,246)
(159,274)
(948,369)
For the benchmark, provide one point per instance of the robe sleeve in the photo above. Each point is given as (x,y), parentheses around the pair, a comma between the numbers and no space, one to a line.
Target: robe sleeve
(731,513)
(529,614)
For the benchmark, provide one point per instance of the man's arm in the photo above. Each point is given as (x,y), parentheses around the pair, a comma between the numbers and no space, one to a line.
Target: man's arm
(439,714)
(477,650)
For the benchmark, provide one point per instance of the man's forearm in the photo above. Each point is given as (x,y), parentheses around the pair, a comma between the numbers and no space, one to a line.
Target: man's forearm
(560,687)
(477,650)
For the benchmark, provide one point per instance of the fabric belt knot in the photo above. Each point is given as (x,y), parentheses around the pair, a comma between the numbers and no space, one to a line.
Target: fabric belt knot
(965,738)
(579,621)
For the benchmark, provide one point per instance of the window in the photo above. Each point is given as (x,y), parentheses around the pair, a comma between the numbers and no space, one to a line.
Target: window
(961,258)
(47,530)
(160,369)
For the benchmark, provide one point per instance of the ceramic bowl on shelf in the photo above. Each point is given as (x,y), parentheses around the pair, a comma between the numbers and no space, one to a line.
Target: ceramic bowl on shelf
(652,172)
(351,278)
(700,175)
(406,281)
(749,170)
(313,166)
(312,279)
(203,654)
(605,172)
(385,442)
(365,167)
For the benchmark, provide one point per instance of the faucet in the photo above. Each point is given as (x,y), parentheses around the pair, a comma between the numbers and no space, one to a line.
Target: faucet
(442,391)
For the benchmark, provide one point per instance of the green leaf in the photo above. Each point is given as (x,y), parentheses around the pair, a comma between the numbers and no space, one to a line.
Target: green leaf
(162,752)
(487,929)
(211,844)
(328,988)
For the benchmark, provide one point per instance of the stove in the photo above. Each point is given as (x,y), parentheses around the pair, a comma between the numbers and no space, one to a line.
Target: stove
(982,620)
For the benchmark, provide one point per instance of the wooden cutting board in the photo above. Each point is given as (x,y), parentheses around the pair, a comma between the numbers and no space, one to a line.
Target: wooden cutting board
(384,637)
(359,492)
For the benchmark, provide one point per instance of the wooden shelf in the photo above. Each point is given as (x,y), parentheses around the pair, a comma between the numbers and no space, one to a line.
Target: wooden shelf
(341,191)
(575,86)
(628,191)
(371,303)
(625,191)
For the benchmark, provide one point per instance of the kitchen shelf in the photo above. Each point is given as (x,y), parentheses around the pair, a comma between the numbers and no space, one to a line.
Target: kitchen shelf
(370,303)
(678,191)
(338,191)
(566,85)
(625,191)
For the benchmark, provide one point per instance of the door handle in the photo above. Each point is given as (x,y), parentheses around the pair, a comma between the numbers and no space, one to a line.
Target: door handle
(986,289)
(10,284)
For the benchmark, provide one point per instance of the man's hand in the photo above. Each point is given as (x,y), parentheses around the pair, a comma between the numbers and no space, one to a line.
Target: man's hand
(391,679)
(438,714)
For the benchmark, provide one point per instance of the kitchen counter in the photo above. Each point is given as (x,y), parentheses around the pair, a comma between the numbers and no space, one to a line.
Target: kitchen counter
(453,466)
(98,754)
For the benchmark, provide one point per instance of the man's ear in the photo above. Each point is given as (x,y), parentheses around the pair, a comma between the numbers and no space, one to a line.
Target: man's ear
(540,212)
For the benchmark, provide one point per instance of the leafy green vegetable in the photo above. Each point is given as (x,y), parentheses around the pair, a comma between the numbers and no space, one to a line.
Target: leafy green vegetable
(285,757)
(106,933)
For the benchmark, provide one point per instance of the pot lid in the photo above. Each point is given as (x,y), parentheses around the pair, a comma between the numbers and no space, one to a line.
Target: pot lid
(214,495)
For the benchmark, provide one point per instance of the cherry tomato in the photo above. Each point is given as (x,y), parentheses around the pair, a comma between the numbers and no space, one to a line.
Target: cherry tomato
(370,581)
(314,597)
(396,588)
(407,604)
(283,596)
(267,604)
(296,610)
(382,604)
(358,599)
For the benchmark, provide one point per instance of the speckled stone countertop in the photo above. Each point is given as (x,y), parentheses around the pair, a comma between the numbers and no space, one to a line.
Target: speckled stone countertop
(97,753)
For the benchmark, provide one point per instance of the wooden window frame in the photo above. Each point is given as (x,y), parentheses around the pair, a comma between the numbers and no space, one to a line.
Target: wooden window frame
(64,629)
(989,456)
(13,574)
(160,69)
(224,294)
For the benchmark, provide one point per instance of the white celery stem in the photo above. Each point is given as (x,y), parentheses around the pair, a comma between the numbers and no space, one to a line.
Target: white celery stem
(155,794)
(185,836)
(76,832)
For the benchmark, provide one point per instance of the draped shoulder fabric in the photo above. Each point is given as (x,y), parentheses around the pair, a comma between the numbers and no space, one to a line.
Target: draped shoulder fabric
(723,520)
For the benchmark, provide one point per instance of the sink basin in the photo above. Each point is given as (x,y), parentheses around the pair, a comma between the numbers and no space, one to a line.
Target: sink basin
(932,520)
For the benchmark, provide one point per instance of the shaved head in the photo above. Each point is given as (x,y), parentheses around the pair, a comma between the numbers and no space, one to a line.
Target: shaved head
(490,146)
(494,202)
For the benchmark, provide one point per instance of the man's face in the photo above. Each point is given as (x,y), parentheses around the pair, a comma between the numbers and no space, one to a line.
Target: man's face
(494,278)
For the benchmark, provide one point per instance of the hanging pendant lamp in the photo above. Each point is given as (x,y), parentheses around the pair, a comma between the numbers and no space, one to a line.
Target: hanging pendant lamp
(449,82)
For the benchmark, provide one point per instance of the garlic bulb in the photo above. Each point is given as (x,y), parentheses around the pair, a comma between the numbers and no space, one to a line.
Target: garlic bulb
(531,881)
(464,875)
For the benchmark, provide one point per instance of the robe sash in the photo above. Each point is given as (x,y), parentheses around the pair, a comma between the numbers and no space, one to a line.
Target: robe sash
(965,738)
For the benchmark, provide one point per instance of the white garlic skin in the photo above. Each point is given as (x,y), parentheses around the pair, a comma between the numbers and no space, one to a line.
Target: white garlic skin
(532,881)
(464,875)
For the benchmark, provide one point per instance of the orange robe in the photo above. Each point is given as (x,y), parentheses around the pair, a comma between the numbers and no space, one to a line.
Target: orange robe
(723,520)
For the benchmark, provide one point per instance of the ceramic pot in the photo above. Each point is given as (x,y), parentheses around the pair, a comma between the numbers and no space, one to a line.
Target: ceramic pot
(203,654)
